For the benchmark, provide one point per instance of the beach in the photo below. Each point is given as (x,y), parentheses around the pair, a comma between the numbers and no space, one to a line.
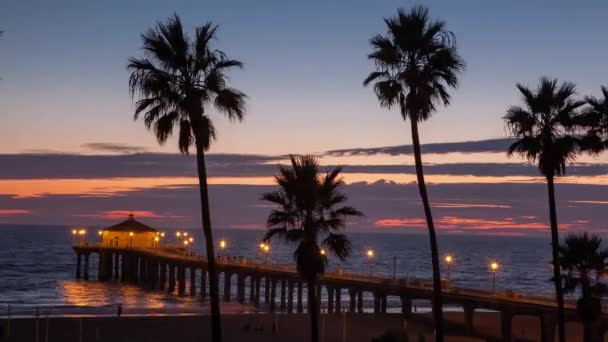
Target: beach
(262,327)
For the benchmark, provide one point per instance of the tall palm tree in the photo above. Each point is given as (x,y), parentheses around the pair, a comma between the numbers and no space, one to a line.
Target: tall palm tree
(310,213)
(594,121)
(179,81)
(585,262)
(542,128)
(416,63)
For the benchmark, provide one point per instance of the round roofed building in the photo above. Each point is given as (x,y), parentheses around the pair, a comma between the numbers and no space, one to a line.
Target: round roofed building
(129,233)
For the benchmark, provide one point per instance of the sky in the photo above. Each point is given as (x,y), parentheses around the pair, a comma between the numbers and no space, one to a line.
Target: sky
(72,154)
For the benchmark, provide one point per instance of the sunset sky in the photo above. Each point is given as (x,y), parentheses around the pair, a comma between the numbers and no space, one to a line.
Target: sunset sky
(70,152)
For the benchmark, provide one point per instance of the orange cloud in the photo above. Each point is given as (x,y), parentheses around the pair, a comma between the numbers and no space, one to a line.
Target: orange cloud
(6,212)
(453,222)
(123,214)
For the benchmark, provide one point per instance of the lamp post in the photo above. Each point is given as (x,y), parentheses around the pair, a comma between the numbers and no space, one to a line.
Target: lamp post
(370,256)
(74,232)
(156,241)
(494,267)
(222,247)
(130,239)
(81,233)
(448,261)
(265,249)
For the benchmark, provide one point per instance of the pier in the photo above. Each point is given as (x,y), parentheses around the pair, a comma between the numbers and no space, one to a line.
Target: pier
(170,270)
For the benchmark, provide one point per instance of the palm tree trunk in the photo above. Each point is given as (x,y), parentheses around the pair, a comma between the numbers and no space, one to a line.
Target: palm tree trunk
(313,307)
(556,268)
(587,331)
(437,302)
(216,324)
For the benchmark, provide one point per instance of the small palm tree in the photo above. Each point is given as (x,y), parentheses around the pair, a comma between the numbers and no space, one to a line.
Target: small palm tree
(594,121)
(542,128)
(416,63)
(310,213)
(178,82)
(585,262)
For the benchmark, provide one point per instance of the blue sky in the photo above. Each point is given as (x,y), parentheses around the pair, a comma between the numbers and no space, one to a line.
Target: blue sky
(64,79)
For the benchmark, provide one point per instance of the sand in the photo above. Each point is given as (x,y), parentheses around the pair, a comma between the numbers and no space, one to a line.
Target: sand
(256,327)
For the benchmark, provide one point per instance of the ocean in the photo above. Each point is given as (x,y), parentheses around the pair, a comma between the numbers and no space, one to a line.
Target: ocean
(37,267)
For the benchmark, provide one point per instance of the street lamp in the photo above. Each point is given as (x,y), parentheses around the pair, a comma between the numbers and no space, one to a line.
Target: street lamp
(185,233)
(448,261)
(130,239)
(494,267)
(186,246)
(322,252)
(265,249)
(74,232)
(370,256)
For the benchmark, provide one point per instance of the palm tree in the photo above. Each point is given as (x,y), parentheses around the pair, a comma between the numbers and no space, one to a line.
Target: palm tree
(585,263)
(416,63)
(594,120)
(542,128)
(178,81)
(310,213)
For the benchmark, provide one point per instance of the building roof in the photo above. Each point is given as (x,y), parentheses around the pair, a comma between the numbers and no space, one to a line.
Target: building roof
(130,225)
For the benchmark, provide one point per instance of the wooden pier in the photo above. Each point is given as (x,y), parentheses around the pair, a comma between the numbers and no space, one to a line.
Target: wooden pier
(170,270)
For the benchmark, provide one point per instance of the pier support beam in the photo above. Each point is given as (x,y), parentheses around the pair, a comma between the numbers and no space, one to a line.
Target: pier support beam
(162,276)
(116,264)
(240,287)
(383,303)
(256,300)
(360,301)
(283,295)
(338,300)
(181,280)
(86,266)
(273,294)
(267,291)
(352,300)
(192,281)
(290,296)
(78,264)
(251,289)
(227,277)
(171,278)
(203,283)
(406,306)
(330,299)
(300,307)
(376,302)
(124,267)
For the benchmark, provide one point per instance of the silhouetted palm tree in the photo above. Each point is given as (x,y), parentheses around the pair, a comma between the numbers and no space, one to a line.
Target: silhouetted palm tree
(310,213)
(584,261)
(594,120)
(416,63)
(542,128)
(178,82)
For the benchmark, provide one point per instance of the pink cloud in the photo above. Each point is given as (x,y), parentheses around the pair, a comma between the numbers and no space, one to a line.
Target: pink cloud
(252,226)
(7,212)
(453,223)
(123,214)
